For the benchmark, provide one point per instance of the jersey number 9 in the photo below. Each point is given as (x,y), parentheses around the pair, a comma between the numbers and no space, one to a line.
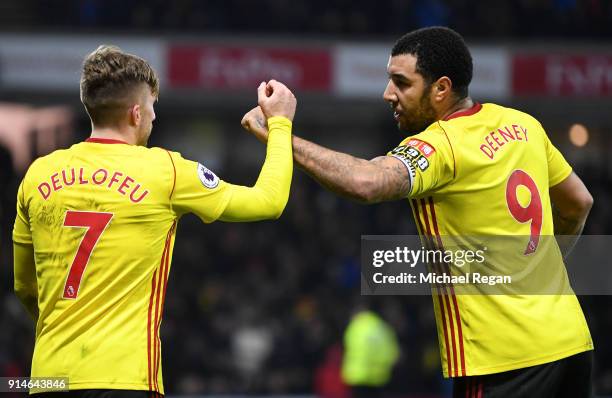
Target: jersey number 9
(532,213)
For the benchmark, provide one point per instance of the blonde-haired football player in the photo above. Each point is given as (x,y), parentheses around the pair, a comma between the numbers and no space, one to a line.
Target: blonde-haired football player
(96,222)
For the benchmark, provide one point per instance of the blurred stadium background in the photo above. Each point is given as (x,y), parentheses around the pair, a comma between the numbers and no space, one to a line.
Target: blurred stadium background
(261,309)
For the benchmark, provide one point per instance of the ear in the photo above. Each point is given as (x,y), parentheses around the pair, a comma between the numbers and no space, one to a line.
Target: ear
(135,115)
(442,89)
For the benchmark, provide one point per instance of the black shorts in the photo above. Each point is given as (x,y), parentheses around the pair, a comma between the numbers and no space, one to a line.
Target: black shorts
(568,377)
(99,394)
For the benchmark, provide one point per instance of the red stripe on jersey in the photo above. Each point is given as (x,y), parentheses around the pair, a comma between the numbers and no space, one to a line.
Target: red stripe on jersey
(415,209)
(426,218)
(452,289)
(449,367)
(166,272)
(451,322)
(174,169)
(446,300)
(440,293)
(149,330)
(156,353)
(422,232)
(105,141)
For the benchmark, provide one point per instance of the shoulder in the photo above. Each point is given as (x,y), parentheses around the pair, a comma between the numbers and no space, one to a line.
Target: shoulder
(428,142)
(490,109)
(489,117)
(44,163)
(486,111)
(41,169)
(525,121)
(434,135)
(153,152)
(420,150)
(187,169)
(162,157)
(171,155)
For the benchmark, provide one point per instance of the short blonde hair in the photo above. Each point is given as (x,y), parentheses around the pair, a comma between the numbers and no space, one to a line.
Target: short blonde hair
(110,80)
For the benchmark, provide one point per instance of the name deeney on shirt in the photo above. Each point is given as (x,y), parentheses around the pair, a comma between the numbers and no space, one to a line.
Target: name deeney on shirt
(117,181)
(498,138)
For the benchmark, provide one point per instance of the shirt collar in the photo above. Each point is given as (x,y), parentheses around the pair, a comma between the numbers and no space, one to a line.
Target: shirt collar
(104,141)
(466,112)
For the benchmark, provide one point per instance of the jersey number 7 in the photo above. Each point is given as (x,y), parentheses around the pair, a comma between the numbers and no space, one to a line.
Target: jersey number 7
(95,223)
(533,211)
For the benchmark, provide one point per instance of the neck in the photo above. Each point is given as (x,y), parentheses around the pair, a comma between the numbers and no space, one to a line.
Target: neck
(458,106)
(113,134)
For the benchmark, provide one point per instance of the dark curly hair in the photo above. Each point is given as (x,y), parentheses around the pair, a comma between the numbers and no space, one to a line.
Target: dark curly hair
(439,51)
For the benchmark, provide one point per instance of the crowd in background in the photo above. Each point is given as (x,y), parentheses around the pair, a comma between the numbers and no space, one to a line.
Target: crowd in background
(576,19)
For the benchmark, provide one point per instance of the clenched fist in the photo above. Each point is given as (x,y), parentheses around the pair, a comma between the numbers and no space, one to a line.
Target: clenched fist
(254,121)
(275,99)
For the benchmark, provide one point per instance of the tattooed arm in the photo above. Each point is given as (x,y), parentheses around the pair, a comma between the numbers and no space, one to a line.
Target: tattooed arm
(367,181)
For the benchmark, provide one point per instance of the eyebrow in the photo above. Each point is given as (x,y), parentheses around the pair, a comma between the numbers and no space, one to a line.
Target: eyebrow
(399,76)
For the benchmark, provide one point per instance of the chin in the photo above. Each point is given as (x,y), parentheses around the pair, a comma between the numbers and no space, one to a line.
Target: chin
(403,128)
(414,128)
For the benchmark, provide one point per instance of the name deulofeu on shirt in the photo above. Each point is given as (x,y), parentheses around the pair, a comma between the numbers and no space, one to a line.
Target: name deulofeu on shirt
(118,181)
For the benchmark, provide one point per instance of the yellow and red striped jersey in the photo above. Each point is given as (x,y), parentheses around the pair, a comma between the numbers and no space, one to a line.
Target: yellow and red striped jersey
(102,219)
(487,171)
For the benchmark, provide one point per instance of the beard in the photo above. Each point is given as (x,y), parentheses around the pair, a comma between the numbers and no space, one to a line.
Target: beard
(421,117)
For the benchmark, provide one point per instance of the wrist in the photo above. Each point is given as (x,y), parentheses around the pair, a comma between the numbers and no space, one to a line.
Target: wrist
(279,124)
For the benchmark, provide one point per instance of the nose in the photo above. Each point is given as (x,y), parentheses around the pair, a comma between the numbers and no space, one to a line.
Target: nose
(389,93)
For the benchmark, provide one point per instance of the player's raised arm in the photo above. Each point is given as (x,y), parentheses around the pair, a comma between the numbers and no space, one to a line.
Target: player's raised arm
(367,181)
(268,197)
(196,189)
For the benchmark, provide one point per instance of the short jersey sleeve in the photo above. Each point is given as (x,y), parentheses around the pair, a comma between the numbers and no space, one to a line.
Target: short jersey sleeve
(558,168)
(21,230)
(429,160)
(197,190)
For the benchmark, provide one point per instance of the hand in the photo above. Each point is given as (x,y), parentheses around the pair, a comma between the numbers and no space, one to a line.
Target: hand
(254,121)
(275,99)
